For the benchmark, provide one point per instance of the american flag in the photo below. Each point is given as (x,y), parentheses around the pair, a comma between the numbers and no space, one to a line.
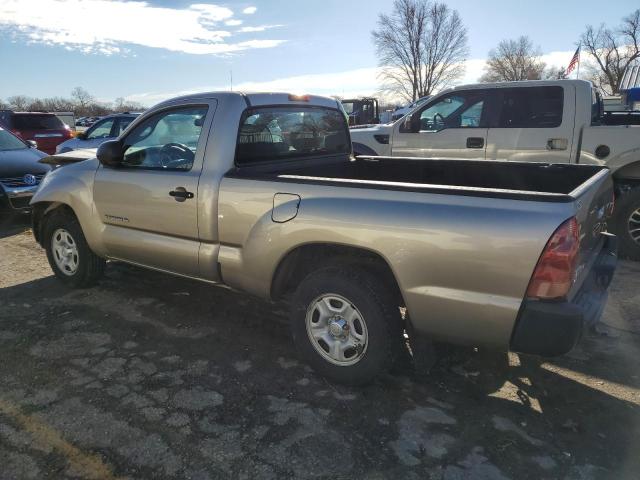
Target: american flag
(574,61)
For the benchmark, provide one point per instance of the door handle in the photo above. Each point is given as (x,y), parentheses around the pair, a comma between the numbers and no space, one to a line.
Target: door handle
(557,144)
(475,142)
(180,194)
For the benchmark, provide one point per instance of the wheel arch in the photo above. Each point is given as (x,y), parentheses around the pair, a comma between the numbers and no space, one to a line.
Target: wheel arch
(630,173)
(41,210)
(301,260)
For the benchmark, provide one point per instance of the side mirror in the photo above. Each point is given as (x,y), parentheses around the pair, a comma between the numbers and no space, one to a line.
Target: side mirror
(32,144)
(81,135)
(110,153)
(411,124)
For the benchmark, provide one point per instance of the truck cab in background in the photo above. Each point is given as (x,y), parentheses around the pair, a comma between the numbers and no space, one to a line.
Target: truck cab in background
(555,121)
(362,111)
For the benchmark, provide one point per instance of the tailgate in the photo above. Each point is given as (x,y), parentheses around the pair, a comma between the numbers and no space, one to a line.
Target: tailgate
(594,201)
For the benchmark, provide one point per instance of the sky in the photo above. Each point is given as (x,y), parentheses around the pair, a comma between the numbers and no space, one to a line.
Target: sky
(151,50)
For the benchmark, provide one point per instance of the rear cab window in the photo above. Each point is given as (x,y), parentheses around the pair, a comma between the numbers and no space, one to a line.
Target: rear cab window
(531,107)
(30,121)
(291,132)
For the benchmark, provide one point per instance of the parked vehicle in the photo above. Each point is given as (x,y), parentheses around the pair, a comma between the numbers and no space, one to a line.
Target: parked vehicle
(20,172)
(45,129)
(68,118)
(260,192)
(401,112)
(362,111)
(105,129)
(558,121)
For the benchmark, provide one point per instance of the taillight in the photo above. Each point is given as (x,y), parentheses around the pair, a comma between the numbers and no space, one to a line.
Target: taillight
(553,276)
(17,133)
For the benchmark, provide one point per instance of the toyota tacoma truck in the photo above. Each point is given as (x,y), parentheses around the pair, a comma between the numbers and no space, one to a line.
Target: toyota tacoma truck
(261,192)
(556,121)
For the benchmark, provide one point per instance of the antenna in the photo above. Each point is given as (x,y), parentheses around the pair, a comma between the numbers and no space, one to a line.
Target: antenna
(231,78)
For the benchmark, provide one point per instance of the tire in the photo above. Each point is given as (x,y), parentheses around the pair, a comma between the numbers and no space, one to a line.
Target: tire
(360,317)
(70,258)
(627,217)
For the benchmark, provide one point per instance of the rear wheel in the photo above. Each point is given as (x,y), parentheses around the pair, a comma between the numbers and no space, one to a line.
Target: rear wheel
(345,325)
(70,258)
(627,224)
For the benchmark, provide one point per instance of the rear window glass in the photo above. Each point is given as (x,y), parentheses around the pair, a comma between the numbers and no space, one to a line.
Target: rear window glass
(531,107)
(37,122)
(274,133)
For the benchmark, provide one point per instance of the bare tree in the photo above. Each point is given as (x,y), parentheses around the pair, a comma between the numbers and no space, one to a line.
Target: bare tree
(122,105)
(514,60)
(83,100)
(19,102)
(555,73)
(613,51)
(422,46)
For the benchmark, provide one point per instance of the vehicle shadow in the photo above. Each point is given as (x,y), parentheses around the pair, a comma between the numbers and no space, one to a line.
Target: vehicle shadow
(14,224)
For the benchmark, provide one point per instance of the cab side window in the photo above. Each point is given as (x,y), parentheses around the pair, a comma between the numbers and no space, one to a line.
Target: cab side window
(101,130)
(165,141)
(531,107)
(457,110)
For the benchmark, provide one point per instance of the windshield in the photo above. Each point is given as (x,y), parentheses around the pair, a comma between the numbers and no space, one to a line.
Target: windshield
(10,142)
(273,133)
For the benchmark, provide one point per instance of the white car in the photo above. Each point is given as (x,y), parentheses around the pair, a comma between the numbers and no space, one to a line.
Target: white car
(104,129)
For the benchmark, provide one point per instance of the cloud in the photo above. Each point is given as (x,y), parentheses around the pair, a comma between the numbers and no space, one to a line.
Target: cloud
(110,26)
(351,83)
(233,22)
(250,10)
(259,28)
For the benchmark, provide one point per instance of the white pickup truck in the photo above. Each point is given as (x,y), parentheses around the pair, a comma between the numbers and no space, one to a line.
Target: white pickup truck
(559,121)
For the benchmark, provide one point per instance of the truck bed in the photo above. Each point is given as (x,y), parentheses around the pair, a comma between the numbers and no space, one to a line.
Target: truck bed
(539,181)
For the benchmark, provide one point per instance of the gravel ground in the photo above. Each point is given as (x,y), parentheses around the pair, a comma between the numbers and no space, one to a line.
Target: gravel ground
(152,376)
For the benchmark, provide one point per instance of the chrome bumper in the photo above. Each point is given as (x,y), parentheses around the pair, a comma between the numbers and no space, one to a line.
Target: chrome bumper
(17,198)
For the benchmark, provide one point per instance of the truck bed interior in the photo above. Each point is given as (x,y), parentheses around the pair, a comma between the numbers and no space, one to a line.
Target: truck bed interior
(406,173)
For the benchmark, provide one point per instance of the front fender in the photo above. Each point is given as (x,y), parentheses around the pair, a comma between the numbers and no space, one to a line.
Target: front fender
(72,186)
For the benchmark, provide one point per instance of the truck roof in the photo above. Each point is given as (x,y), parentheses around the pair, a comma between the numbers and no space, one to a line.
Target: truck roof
(525,83)
(264,98)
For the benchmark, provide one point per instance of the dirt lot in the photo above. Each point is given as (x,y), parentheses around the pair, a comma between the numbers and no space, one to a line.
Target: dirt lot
(151,376)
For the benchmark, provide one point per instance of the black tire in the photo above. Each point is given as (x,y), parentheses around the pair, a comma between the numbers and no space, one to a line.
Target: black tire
(626,205)
(377,308)
(90,267)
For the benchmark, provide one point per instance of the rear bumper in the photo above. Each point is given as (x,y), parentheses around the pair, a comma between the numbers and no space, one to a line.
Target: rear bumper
(553,328)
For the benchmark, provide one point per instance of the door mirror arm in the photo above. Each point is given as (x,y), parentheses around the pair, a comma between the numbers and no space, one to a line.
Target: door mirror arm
(111,153)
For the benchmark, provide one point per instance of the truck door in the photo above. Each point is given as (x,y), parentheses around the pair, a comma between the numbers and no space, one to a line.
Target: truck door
(450,126)
(148,203)
(532,124)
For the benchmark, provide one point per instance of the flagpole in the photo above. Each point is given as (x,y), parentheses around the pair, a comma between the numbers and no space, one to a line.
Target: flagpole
(578,69)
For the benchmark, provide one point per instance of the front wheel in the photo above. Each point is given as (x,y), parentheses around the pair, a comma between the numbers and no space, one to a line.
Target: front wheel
(345,325)
(70,258)
(627,224)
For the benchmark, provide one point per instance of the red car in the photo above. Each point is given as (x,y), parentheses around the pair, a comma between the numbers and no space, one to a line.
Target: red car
(45,129)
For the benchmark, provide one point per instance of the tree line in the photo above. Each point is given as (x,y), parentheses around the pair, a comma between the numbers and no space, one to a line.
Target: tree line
(81,102)
(422,47)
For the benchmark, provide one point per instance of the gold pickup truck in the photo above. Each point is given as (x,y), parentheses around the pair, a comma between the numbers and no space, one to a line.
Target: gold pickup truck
(261,192)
